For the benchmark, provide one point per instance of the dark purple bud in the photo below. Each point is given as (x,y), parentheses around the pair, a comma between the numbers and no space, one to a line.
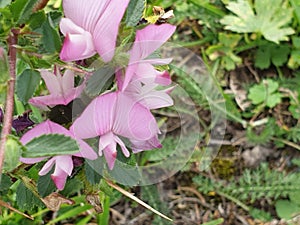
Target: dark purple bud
(22,122)
(1,115)
(77,161)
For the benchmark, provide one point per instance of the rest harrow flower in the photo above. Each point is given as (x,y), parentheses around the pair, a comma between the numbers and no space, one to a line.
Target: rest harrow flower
(147,40)
(61,88)
(63,163)
(115,115)
(91,26)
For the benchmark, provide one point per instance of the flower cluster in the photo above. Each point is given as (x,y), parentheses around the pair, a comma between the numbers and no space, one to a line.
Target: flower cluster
(91,27)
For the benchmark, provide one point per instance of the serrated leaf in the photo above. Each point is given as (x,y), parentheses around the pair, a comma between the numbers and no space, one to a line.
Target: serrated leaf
(271,23)
(26,200)
(100,81)
(45,185)
(5,183)
(22,9)
(277,54)
(265,92)
(93,170)
(50,38)
(50,145)
(151,195)
(27,82)
(273,100)
(134,12)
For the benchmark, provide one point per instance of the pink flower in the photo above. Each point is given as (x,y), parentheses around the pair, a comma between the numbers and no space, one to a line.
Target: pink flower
(91,26)
(61,88)
(147,94)
(115,115)
(63,163)
(140,67)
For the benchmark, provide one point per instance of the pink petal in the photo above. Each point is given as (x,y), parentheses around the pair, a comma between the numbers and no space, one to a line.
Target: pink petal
(138,146)
(97,118)
(163,78)
(32,160)
(47,167)
(106,29)
(150,39)
(148,74)
(52,81)
(50,100)
(157,100)
(59,179)
(122,145)
(67,81)
(77,47)
(105,140)
(158,61)
(85,13)
(110,154)
(68,26)
(86,151)
(47,127)
(61,88)
(65,163)
(130,73)
(132,120)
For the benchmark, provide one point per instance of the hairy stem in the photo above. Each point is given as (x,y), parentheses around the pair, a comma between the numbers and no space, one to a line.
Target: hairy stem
(9,105)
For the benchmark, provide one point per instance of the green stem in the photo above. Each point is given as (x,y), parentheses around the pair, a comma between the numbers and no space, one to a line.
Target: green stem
(195,43)
(236,201)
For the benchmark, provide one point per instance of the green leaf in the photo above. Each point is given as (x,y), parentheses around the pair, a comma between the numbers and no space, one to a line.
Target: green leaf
(169,144)
(286,209)
(72,186)
(22,9)
(295,197)
(125,170)
(50,145)
(296,6)
(5,183)
(100,81)
(26,200)
(224,50)
(214,222)
(73,212)
(12,154)
(260,214)
(51,39)
(271,23)
(45,185)
(94,169)
(151,195)
(134,12)
(4,3)
(37,19)
(277,54)
(265,92)
(26,84)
